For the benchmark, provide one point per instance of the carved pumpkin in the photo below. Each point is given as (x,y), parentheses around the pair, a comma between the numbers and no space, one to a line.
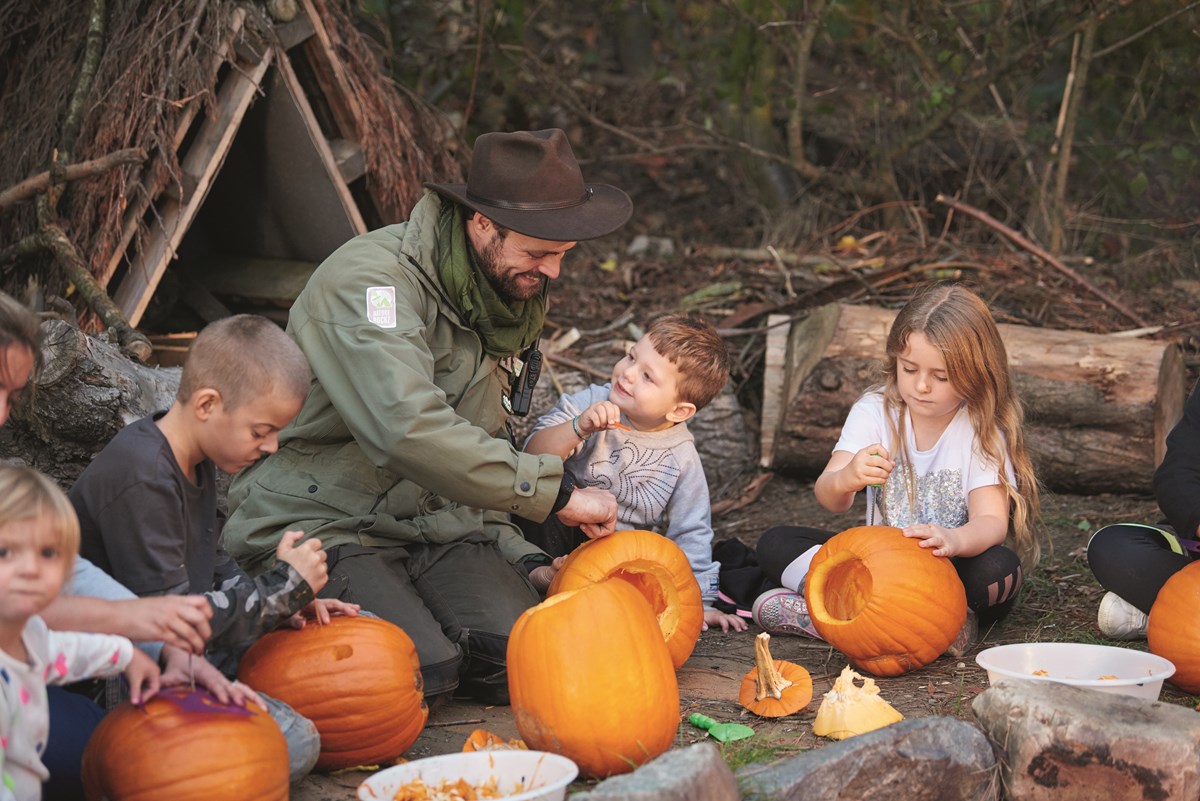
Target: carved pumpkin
(590,678)
(1171,631)
(356,678)
(774,688)
(884,601)
(657,568)
(847,709)
(186,745)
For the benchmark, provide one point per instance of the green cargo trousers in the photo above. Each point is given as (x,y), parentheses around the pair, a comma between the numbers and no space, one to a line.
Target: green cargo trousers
(457,601)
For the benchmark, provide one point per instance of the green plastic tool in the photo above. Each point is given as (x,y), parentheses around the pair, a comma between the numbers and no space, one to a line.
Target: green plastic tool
(722,732)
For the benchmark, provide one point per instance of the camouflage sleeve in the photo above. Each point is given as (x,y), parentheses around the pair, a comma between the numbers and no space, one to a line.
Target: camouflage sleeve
(244,608)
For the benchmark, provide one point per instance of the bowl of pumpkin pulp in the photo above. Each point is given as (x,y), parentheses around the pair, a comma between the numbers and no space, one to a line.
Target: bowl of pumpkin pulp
(1105,668)
(509,775)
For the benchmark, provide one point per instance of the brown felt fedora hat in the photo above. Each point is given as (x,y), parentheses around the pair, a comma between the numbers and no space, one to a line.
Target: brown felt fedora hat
(530,182)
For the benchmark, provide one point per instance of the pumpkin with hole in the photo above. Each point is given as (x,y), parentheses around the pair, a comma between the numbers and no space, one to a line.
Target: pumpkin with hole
(1172,630)
(660,571)
(888,604)
(357,679)
(186,745)
(590,678)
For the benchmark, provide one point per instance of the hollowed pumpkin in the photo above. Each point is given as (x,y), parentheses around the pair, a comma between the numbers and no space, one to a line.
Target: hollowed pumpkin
(356,678)
(882,600)
(186,745)
(657,568)
(1171,631)
(590,678)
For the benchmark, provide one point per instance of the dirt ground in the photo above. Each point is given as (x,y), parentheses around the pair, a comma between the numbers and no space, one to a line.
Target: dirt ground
(1058,604)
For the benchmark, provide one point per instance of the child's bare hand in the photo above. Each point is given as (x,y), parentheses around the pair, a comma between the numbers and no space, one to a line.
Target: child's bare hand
(869,466)
(307,558)
(542,575)
(714,617)
(143,676)
(179,670)
(599,416)
(321,610)
(942,541)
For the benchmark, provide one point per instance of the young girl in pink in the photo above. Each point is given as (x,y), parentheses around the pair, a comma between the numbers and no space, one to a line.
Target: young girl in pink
(39,538)
(940,453)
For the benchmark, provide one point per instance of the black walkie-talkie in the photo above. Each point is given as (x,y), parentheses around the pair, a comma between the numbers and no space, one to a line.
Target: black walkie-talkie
(521,390)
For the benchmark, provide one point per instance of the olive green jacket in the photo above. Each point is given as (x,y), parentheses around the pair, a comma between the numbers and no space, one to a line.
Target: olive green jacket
(401,437)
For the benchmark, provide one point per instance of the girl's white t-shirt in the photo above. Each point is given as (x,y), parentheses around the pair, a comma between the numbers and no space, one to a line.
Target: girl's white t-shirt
(945,473)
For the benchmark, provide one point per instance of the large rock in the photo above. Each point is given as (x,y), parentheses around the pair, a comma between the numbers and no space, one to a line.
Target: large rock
(695,773)
(924,759)
(1066,743)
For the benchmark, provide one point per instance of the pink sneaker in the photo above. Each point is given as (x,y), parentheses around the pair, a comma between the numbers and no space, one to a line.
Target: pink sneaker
(782,611)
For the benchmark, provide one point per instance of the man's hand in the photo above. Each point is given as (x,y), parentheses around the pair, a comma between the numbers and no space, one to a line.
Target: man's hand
(542,575)
(177,670)
(593,509)
(307,558)
(178,620)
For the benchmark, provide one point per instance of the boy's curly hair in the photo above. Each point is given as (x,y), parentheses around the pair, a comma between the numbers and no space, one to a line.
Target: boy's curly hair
(697,350)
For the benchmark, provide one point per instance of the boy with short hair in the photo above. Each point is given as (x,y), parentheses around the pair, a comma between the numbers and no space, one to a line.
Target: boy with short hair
(630,437)
(147,504)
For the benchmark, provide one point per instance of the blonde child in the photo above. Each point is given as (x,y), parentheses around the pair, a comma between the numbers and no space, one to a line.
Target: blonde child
(630,437)
(940,451)
(39,538)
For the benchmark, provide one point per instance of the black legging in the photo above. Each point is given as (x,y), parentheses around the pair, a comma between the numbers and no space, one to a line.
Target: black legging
(990,579)
(1135,561)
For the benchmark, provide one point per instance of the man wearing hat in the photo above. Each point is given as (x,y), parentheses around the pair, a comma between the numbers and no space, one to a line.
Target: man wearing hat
(397,460)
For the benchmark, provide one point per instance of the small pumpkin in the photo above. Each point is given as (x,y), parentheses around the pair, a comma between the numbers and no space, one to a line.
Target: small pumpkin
(659,570)
(186,745)
(356,678)
(1171,630)
(774,688)
(590,678)
(847,709)
(888,604)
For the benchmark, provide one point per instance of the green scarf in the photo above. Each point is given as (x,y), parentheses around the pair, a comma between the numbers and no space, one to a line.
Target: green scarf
(505,328)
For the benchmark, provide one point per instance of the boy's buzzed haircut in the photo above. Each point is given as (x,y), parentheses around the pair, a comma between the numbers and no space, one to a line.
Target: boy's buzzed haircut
(243,357)
(697,350)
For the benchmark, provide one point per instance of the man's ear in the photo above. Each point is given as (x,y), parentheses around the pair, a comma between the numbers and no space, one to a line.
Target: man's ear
(681,412)
(204,402)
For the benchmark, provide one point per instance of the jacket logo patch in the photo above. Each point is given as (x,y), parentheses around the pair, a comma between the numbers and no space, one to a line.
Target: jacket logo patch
(381,306)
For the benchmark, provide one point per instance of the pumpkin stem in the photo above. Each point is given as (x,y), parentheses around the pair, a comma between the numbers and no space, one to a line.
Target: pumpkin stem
(770,681)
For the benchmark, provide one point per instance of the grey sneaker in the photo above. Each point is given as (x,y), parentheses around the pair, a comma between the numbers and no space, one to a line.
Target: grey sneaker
(968,636)
(1120,620)
(782,611)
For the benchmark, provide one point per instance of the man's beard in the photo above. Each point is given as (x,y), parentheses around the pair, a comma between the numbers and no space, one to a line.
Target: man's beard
(506,285)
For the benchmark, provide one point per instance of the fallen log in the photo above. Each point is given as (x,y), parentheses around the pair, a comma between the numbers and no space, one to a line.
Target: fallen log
(1098,407)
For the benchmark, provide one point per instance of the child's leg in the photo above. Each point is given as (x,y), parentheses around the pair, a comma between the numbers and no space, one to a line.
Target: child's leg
(73,718)
(303,741)
(992,580)
(785,553)
(1135,561)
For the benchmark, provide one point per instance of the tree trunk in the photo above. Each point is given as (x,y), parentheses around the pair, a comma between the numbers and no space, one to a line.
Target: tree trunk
(1097,406)
(86,392)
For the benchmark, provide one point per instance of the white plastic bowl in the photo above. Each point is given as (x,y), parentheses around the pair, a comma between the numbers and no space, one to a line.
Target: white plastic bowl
(527,775)
(1136,673)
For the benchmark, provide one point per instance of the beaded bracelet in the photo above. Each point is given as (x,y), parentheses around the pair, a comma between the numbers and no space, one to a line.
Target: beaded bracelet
(575,427)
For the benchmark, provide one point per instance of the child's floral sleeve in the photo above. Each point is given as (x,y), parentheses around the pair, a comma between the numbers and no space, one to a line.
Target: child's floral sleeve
(73,656)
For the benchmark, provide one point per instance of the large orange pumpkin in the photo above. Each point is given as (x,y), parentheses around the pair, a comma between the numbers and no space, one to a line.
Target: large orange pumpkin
(186,745)
(590,678)
(357,679)
(657,568)
(1172,630)
(888,604)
